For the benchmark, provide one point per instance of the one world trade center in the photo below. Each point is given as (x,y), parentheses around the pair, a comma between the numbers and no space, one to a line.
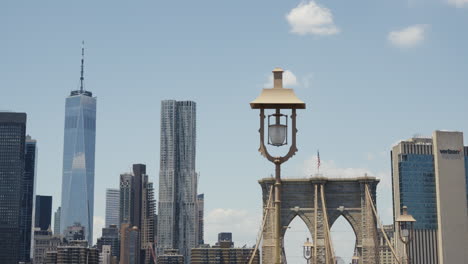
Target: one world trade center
(78,160)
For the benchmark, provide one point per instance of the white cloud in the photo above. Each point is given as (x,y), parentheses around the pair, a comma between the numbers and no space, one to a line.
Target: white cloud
(458,3)
(98,224)
(242,224)
(289,79)
(408,37)
(310,18)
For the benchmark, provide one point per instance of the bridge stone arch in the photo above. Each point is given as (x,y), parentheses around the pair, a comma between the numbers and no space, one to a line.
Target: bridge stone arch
(342,197)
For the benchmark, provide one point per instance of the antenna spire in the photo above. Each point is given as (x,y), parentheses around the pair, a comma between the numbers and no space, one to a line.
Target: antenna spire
(82,67)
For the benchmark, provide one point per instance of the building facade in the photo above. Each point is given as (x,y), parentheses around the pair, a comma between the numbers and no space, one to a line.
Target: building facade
(12,165)
(57,229)
(44,241)
(112,207)
(126,199)
(43,212)
(27,198)
(385,253)
(110,237)
(77,253)
(78,160)
(424,183)
(201,218)
(223,252)
(177,211)
(129,244)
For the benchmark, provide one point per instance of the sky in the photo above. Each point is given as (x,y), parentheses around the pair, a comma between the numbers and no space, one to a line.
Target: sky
(371,72)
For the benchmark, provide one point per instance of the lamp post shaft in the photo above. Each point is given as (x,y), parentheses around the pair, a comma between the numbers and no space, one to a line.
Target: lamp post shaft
(277,213)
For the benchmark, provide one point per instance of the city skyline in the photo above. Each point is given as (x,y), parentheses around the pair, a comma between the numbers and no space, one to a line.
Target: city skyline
(365,92)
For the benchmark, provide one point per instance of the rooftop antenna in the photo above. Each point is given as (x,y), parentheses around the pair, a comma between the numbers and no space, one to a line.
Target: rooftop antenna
(82,67)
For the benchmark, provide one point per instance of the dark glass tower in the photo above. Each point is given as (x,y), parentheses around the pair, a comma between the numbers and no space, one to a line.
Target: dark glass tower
(12,148)
(78,160)
(43,212)
(27,199)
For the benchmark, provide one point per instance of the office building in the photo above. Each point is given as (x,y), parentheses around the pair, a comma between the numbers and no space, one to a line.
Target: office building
(27,198)
(105,255)
(112,207)
(385,253)
(223,252)
(57,213)
(43,212)
(126,198)
(78,159)
(429,177)
(178,220)
(12,165)
(77,253)
(171,256)
(44,241)
(201,221)
(110,237)
(75,232)
(129,244)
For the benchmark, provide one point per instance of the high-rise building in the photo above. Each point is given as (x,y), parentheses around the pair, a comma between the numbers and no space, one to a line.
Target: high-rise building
(171,256)
(201,221)
(129,250)
(137,208)
(223,252)
(105,255)
(110,237)
(430,178)
(27,198)
(57,213)
(126,198)
(112,207)
(177,211)
(12,165)
(43,212)
(78,159)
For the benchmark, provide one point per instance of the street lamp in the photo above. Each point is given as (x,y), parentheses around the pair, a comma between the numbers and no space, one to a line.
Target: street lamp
(308,250)
(277,99)
(406,227)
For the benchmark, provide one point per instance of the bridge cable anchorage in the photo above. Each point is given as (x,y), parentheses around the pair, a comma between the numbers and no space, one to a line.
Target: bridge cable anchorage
(265,216)
(330,256)
(369,197)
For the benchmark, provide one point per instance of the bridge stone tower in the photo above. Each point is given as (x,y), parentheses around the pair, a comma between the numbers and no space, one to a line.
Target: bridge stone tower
(345,197)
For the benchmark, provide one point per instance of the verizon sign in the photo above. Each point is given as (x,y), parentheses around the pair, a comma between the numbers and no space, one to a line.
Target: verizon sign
(451,153)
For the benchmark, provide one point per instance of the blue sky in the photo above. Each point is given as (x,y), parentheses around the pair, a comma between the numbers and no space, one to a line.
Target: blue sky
(371,72)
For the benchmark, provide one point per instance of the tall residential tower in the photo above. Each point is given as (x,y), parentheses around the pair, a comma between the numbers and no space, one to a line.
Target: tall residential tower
(178,211)
(78,159)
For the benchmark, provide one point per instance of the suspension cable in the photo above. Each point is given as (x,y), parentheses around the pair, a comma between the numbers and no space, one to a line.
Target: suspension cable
(327,229)
(265,216)
(369,197)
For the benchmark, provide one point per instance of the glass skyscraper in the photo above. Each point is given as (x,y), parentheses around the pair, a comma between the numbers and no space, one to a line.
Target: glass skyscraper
(27,198)
(414,179)
(178,221)
(112,207)
(78,161)
(12,150)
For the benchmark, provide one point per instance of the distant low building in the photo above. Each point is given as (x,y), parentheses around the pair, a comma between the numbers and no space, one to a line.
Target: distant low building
(110,237)
(385,253)
(44,241)
(77,252)
(171,256)
(75,232)
(223,252)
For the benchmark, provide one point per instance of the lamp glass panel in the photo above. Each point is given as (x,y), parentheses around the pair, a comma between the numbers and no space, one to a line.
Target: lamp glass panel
(277,133)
